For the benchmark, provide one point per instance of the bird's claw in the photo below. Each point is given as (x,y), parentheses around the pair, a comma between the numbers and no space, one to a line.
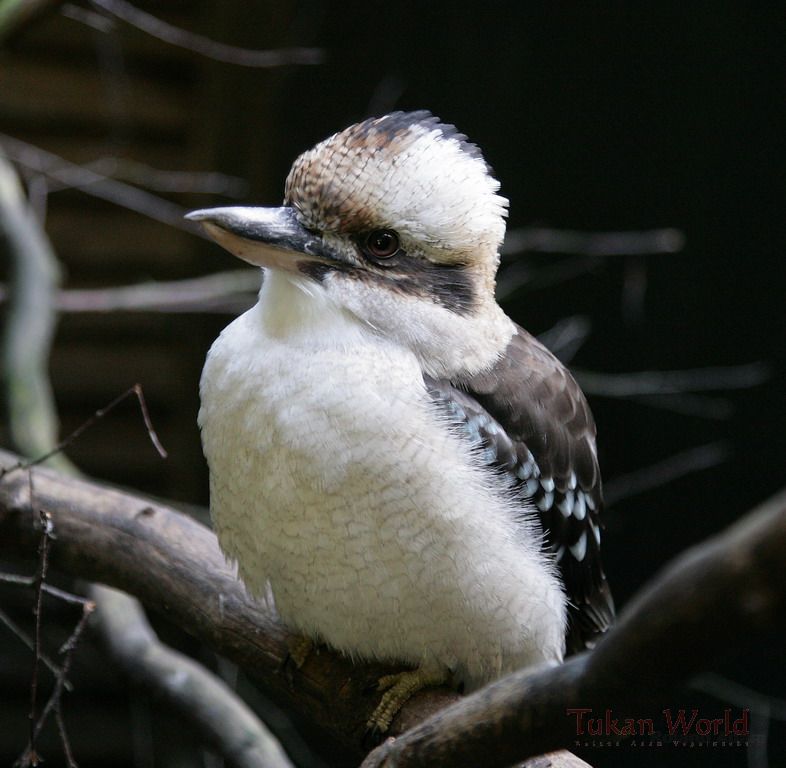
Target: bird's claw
(297,654)
(398,689)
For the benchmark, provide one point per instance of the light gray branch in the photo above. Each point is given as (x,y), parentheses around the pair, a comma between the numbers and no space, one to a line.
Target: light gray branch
(639,383)
(223,720)
(548,240)
(71,175)
(29,323)
(219,292)
(656,475)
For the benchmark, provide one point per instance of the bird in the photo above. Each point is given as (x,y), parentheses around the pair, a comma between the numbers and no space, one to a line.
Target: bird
(406,473)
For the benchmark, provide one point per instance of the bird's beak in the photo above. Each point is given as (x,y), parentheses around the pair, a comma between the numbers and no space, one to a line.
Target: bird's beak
(265,237)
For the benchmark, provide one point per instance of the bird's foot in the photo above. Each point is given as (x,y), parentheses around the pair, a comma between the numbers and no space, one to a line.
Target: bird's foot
(298,651)
(399,688)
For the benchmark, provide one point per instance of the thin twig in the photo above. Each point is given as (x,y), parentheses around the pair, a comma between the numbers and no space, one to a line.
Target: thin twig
(73,176)
(222,292)
(173,182)
(589,250)
(97,21)
(219,291)
(16,630)
(204,46)
(43,564)
(566,336)
(688,404)
(523,275)
(548,240)
(53,701)
(61,729)
(672,468)
(672,382)
(29,581)
(160,180)
(85,425)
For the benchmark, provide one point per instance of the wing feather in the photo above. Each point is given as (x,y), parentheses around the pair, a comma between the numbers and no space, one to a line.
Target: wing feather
(531,420)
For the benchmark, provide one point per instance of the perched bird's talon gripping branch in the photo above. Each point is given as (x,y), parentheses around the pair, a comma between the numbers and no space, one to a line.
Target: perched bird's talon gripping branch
(387,448)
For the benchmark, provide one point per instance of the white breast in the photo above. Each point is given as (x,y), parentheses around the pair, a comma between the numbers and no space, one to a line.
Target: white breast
(334,481)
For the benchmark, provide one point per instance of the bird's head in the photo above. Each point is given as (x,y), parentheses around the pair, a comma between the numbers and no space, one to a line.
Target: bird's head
(397,220)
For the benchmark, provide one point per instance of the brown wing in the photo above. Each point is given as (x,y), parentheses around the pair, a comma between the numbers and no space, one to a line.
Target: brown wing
(530,418)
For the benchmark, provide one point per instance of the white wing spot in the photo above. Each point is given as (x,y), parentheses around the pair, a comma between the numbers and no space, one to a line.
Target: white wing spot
(579,549)
(580,509)
(546,501)
(566,505)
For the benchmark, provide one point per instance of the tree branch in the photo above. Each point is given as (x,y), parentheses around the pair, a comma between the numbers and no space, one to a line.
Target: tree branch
(73,176)
(224,720)
(630,243)
(211,49)
(30,321)
(173,564)
(724,593)
(727,589)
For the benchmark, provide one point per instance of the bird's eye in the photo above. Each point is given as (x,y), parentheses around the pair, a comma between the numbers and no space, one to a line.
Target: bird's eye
(382,243)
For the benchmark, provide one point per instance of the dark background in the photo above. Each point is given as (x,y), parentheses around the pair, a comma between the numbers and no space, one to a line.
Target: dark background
(594,118)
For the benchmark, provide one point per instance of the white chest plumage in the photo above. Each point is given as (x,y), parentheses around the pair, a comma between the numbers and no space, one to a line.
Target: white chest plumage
(335,480)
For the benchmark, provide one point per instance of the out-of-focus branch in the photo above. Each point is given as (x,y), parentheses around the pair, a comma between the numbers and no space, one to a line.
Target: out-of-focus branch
(30,322)
(71,175)
(224,720)
(211,49)
(15,15)
(587,249)
(220,292)
(673,390)
(663,472)
(723,594)
(159,180)
(547,240)
(566,336)
(670,382)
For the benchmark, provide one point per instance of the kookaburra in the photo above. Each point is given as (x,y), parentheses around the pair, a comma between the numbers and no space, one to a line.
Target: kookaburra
(410,474)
